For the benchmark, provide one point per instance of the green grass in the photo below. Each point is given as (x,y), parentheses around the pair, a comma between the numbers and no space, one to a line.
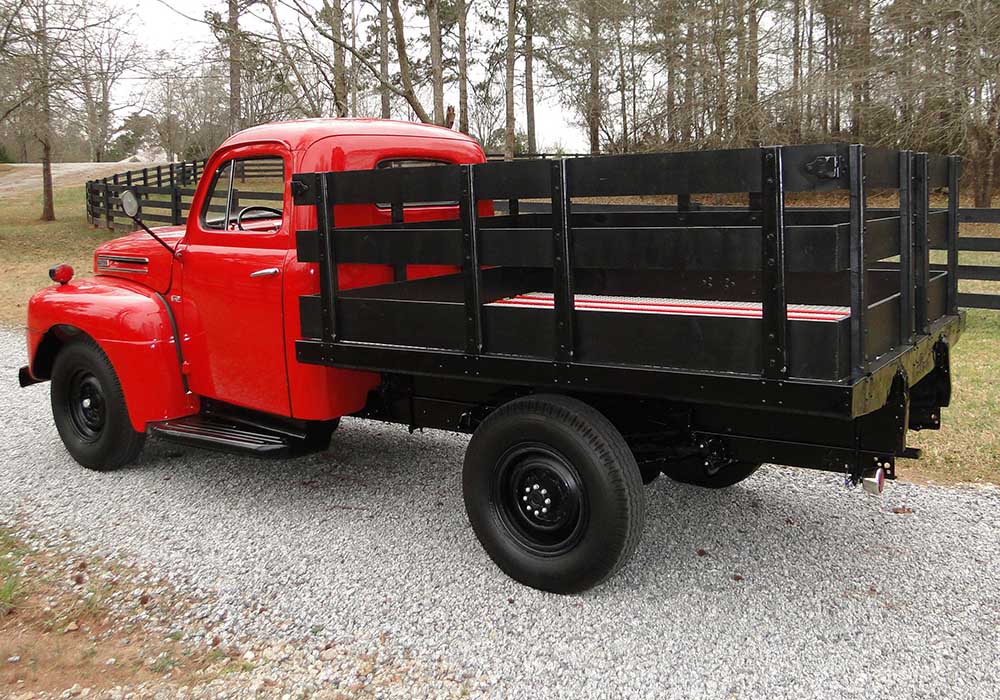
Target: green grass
(11,585)
(28,247)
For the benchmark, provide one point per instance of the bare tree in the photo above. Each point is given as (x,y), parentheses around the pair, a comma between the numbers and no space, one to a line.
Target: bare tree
(511,55)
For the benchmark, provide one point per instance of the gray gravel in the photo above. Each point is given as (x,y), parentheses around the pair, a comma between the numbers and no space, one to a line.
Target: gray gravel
(803,590)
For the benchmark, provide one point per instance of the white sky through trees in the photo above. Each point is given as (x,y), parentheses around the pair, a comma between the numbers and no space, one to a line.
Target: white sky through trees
(161,27)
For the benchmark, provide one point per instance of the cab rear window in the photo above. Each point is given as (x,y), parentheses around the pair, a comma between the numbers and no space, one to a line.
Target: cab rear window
(413,163)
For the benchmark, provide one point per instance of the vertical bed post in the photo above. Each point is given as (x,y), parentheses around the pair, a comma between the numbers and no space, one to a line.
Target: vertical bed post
(327,255)
(471,274)
(921,249)
(562,264)
(774,303)
(905,247)
(859,296)
(954,173)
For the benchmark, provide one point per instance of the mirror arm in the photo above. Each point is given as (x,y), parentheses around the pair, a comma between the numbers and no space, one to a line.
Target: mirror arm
(138,221)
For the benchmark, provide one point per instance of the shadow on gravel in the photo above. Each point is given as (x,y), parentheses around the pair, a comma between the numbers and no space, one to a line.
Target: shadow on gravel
(769,528)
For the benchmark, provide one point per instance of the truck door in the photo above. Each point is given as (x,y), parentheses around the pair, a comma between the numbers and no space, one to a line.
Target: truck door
(233,268)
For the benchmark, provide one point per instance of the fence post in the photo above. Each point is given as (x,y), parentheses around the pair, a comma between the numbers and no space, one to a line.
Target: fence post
(859,296)
(175,205)
(921,247)
(145,177)
(159,176)
(905,247)
(108,218)
(954,173)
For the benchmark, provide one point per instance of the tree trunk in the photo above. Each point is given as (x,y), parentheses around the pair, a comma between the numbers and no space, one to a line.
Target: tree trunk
(463,68)
(510,132)
(437,65)
(594,87)
(796,70)
(235,58)
(689,79)
(383,56)
(339,59)
(48,203)
(753,70)
(404,64)
(529,77)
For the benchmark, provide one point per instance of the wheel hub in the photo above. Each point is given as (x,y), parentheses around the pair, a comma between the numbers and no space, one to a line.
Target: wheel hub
(540,498)
(87,405)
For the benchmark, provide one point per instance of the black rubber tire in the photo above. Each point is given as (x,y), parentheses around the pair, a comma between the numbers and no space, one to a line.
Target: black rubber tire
(612,502)
(319,435)
(114,443)
(693,472)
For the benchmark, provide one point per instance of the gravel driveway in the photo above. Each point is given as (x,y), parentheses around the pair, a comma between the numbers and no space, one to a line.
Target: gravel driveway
(787,586)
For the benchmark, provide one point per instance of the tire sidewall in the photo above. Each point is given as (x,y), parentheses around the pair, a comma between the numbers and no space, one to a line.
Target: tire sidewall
(605,536)
(100,453)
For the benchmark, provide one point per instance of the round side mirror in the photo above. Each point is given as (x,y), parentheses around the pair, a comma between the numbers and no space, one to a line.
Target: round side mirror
(130,203)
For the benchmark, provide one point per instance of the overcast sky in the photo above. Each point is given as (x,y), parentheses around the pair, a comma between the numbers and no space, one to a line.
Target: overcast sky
(164,28)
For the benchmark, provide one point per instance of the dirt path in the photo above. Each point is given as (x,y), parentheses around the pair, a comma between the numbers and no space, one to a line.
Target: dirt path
(17,178)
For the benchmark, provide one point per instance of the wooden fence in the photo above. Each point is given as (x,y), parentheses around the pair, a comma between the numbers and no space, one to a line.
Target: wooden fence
(166,191)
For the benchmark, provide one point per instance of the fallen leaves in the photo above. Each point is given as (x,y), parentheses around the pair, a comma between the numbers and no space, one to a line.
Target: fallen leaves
(902,510)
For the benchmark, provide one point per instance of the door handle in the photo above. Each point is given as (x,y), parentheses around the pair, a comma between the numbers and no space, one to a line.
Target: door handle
(266,272)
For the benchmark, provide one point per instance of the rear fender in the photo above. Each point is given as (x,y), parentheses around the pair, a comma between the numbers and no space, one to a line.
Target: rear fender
(134,327)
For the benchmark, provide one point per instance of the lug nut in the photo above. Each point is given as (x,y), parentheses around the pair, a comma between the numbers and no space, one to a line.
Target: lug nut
(524,498)
(535,487)
(548,501)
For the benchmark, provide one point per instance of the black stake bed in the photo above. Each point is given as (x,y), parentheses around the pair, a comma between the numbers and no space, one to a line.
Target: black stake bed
(784,316)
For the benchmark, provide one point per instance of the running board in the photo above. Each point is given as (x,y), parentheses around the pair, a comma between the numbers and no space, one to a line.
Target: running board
(215,432)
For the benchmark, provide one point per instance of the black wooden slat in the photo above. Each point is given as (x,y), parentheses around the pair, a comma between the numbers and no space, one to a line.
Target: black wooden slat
(733,170)
(937,229)
(979,301)
(979,243)
(437,183)
(979,216)
(882,238)
(979,272)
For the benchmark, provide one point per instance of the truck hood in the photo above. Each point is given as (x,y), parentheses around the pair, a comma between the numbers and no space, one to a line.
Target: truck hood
(139,258)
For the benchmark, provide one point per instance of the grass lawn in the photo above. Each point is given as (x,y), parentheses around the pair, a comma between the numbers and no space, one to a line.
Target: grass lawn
(966,449)
(28,247)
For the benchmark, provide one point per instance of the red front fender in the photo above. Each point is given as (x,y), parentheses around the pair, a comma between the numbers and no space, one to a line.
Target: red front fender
(132,325)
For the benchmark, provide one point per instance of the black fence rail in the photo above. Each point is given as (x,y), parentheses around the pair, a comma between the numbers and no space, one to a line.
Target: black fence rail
(166,192)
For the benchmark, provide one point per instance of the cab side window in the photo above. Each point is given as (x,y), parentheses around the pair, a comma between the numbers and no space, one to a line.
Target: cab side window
(246,194)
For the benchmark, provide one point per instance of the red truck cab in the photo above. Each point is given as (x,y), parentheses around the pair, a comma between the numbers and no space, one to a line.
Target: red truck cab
(163,332)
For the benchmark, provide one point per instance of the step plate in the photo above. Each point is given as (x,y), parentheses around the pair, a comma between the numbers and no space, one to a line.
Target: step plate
(223,434)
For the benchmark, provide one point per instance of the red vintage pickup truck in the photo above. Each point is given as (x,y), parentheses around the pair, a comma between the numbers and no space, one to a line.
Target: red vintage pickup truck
(385,270)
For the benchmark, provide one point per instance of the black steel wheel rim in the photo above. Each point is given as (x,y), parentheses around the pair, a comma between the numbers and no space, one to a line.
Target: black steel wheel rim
(86,405)
(540,499)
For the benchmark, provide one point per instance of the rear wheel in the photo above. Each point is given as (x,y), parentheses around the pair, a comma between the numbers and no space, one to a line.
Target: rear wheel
(694,472)
(553,493)
(89,408)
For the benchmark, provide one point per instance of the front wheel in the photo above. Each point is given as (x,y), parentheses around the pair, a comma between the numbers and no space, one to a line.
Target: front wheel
(553,493)
(89,408)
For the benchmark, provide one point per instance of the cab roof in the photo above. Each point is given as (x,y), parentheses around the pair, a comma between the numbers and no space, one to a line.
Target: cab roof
(301,133)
